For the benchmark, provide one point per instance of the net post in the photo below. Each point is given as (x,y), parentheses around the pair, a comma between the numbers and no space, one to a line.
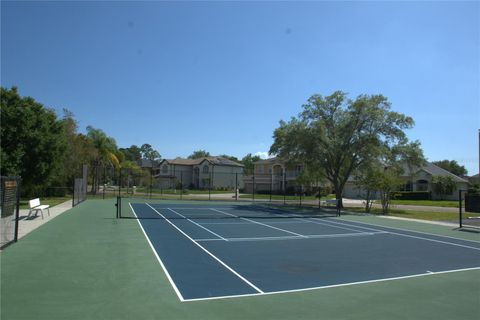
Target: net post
(284,177)
(116,209)
(253,186)
(104,178)
(119,181)
(17,211)
(73,193)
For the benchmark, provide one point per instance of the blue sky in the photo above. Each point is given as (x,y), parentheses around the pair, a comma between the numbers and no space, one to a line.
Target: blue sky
(220,75)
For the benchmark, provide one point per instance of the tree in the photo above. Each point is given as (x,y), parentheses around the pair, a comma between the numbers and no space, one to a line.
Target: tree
(106,148)
(231,158)
(452,166)
(148,152)
(443,185)
(199,154)
(133,153)
(32,144)
(248,163)
(412,155)
(80,149)
(337,135)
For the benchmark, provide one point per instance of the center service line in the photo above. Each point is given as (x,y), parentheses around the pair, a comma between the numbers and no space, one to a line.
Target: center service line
(199,225)
(263,224)
(208,252)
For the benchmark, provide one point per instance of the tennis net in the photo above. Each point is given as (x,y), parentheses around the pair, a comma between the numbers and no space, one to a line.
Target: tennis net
(129,208)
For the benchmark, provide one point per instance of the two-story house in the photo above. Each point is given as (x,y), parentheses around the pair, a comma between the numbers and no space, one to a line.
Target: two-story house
(273,175)
(202,173)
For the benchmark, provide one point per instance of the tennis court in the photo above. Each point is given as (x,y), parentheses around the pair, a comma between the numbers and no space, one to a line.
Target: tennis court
(216,251)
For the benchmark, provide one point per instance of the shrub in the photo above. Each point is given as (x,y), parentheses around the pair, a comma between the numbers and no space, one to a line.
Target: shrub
(411,195)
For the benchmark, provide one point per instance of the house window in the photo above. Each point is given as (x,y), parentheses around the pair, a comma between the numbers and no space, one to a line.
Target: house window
(205,169)
(165,169)
(422,185)
(260,169)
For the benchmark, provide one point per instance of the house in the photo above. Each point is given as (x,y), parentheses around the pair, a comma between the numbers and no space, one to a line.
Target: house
(273,175)
(202,173)
(419,179)
(475,180)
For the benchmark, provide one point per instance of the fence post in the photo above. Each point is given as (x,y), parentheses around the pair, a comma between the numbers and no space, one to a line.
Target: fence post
(181,185)
(271,186)
(236,186)
(460,207)
(253,186)
(284,177)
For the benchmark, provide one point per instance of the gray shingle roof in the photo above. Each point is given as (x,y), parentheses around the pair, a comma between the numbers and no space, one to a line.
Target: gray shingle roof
(217,161)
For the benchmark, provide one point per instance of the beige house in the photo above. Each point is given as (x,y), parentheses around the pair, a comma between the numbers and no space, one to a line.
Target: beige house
(202,173)
(272,175)
(420,180)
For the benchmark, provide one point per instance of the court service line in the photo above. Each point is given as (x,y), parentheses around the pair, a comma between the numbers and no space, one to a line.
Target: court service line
(428,273)
(262,224)
(172,283)
(208,252)
(402,229)
(199,225)
(313,220)
(313,236)
(421,238)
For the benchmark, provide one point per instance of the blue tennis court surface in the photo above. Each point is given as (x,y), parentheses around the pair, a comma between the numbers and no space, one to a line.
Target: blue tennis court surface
(219,255)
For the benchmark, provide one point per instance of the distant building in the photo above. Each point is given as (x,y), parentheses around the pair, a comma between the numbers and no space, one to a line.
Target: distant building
(273,175)
(202,173)
(422,181)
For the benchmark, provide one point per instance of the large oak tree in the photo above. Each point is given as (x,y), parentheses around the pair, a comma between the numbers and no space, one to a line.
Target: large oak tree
(334,135)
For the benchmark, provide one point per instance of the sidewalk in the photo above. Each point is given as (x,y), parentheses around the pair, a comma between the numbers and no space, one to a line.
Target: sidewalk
(26,225)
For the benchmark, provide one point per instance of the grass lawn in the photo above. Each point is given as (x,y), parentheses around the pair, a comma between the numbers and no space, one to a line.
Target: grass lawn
(51,201)
(431,203)
(280,197)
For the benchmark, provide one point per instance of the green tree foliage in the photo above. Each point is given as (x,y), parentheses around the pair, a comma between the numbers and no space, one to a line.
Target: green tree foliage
(232,158)
(248,163)
(337,135)
(199,154)
(452,166)
(80,150)
(149,153)
(33,143)
(443,185)
(133,153)
(106,148)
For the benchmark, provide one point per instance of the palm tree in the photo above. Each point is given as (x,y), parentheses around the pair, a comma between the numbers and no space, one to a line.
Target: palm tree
(106,148)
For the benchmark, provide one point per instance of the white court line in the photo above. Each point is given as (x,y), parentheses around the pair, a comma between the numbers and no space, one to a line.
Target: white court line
(315,221)
(335,285)
(204,228)
(262,224)
(208,252)
(416,237)
(179,295)
(313,236)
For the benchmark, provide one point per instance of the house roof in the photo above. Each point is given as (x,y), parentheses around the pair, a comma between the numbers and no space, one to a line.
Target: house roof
(435,171)
(217,161)
(146,163)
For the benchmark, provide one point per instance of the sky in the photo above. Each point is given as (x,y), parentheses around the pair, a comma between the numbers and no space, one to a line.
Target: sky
(219,76)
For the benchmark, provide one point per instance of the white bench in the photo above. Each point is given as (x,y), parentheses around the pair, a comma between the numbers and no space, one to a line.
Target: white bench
(35,206)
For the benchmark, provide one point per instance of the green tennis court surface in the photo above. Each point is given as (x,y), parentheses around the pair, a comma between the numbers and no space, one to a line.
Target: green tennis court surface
(85,264)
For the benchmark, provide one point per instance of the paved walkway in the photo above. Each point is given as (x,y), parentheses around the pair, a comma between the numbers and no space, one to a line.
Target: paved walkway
(27,225)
